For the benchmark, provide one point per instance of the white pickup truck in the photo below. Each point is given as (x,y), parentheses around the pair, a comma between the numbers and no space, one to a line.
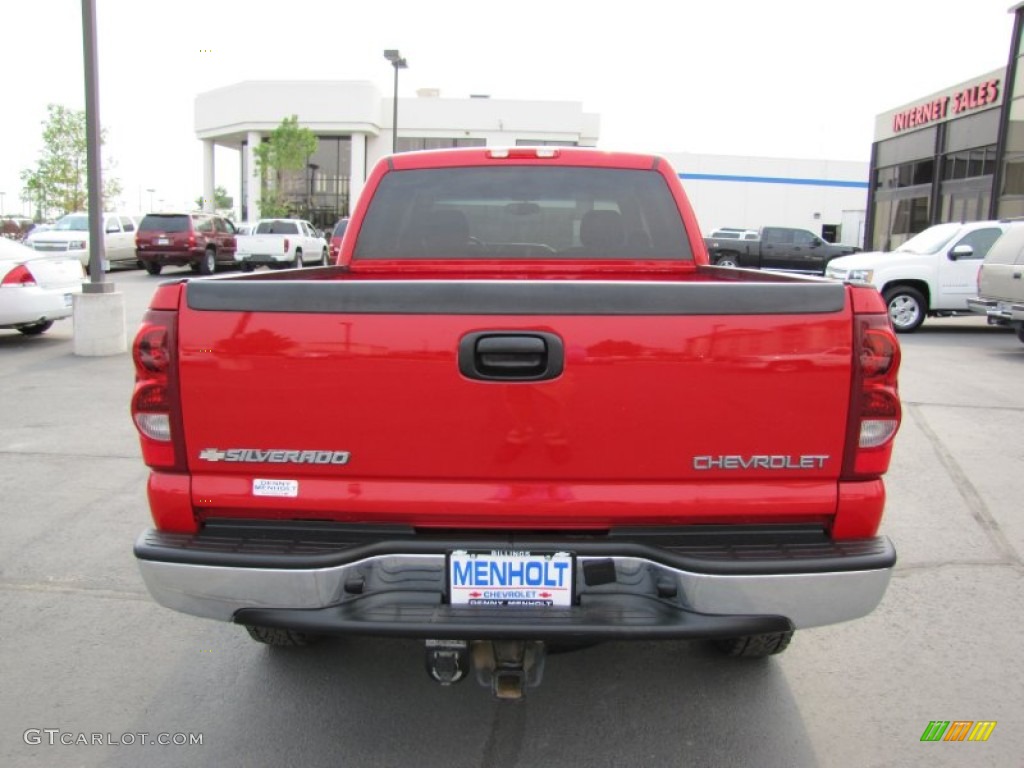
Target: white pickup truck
(280,243)
(933,274)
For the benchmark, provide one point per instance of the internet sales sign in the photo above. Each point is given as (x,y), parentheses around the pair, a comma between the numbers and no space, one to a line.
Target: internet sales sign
(974,97)
(510,578)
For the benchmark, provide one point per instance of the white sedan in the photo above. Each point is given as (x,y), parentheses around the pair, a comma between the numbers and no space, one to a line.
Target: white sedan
(36,288)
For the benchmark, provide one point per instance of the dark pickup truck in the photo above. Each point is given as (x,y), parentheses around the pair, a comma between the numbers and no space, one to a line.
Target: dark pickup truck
(786,248)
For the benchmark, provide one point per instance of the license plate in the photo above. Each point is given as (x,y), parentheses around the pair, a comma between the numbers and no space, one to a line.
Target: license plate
(510,578)
(67,300)
(162,241)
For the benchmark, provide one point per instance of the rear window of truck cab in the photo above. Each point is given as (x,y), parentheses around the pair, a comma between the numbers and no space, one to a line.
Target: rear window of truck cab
(523,212)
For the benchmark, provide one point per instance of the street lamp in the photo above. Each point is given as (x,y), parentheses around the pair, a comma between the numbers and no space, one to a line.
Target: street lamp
(398,63)
(151,191)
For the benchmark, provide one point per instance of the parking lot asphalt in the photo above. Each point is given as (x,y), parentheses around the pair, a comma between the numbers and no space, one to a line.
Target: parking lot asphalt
(84,652)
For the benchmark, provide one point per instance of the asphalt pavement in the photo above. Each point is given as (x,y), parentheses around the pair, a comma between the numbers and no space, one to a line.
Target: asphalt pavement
(93,673)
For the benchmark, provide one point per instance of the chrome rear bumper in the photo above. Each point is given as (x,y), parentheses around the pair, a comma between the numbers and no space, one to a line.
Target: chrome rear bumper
(625,587)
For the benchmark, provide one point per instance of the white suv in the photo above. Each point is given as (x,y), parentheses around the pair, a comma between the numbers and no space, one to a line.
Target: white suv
(70,235)
(934,273)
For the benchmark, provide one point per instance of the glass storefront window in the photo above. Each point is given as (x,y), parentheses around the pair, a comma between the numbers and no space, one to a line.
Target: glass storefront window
(911,215)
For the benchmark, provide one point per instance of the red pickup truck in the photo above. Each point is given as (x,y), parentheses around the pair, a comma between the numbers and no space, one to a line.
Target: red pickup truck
(521,411)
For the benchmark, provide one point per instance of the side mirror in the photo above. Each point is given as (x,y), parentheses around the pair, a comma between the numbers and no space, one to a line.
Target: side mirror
(960,252)
(818,242)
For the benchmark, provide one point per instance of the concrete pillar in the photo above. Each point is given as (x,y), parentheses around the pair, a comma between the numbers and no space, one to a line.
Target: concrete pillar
(357,179)
(99,320)
(209,177)
(255,188)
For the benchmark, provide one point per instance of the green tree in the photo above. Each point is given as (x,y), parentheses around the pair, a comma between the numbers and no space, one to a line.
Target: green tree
(221,200)
(59,182)
(281,161)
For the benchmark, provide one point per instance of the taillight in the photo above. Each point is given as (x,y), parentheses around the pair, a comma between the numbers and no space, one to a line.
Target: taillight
(286,249)
(875,411)
(191,239)
(19,276)
(155,403)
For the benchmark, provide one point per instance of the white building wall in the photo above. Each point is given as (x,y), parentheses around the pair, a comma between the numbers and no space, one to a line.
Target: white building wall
(753,192)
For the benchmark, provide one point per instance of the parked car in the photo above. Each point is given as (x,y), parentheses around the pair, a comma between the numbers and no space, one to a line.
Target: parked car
(15,227)
(280,243)
(197,240)
(933,274)
(1001,283)
(781,248)
(336,235)
(70,235)
(36,289)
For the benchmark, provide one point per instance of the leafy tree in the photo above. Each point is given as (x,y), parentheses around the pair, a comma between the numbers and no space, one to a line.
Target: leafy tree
(281,161)
(60,180)
(221,200)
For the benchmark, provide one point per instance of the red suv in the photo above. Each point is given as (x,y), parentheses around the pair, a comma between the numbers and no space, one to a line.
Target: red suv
(200,240)
(336,235)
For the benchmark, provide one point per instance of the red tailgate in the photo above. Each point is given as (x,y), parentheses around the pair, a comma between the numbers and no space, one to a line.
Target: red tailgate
(653,418)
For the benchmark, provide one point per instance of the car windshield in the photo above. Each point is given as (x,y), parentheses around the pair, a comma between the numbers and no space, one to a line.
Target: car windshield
(73,222)
(931,240)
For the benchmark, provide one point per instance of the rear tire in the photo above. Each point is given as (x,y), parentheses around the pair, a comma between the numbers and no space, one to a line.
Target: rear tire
(36,328)
(907,308)
(1020,333)
(209,263)
(297,263)
(728,260)
(754,646)
(323,258)
(153,267)
(280,638)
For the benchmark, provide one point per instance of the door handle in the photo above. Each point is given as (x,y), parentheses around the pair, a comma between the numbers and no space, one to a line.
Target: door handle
(511,356)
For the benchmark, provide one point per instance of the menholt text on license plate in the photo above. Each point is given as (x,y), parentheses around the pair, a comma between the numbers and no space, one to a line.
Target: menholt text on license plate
(502,577)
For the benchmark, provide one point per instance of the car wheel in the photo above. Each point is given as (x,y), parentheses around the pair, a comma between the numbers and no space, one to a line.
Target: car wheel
(36,328)
(906,308)
(247,266)
(209,263)
(1020,333)
(754,646)
(153,267)
(323,258)
(280,637)
(727,261)
(297,264)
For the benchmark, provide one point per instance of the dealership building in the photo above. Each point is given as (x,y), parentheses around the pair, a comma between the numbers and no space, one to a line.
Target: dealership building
(354,126)
(953,155)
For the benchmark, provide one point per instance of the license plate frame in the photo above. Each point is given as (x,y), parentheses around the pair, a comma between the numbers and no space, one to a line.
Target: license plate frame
(163,241)
(544,578)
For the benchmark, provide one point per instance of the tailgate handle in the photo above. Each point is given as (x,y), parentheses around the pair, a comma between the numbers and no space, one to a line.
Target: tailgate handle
(511,356)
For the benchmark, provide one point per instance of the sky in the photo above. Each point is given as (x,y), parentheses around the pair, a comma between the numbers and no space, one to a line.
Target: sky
(789,78)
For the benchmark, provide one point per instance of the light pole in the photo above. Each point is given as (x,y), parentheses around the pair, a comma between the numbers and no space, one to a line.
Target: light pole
(151,191)
(398,63)
(2,203)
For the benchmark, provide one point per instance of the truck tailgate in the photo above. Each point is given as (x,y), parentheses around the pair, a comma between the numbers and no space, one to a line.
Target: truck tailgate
(359,400)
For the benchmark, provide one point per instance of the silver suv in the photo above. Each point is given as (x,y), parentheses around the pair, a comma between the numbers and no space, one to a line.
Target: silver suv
(1001,283)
